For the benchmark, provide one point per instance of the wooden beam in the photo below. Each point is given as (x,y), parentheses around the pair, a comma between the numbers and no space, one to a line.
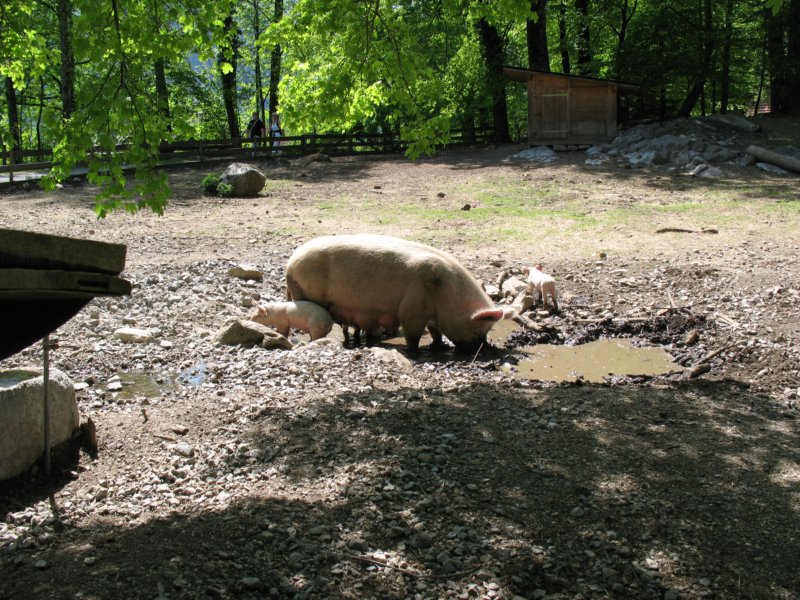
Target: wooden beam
(782,160)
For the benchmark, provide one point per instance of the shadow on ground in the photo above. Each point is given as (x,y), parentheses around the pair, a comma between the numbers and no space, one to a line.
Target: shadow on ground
(606,491)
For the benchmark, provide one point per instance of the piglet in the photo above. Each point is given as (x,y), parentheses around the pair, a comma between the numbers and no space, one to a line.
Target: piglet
(541,284)
(302,315)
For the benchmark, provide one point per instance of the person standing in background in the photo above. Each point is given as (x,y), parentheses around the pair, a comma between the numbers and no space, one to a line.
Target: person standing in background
(255,130)
(275,130)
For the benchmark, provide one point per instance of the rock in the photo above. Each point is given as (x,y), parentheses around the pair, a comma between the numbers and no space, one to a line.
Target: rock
(735,121)
(492,291)
(391,357)
(246,272)
(540,154)
(692,337)
(275,341)
(184,449)
(317,157)
(698,370)
(134,335)
(711,172)
(774,169)
(243,332)
(22,417)
(523,302)
(514,286)
(250,583)
(246,180)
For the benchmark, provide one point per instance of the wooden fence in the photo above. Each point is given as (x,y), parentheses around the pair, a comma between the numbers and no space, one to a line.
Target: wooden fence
(193,152)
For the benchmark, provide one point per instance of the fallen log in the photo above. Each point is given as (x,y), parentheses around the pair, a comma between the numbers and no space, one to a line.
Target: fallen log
(682,230)
(782,160)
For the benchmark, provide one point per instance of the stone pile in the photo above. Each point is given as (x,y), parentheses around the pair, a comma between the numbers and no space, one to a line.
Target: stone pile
(693,146)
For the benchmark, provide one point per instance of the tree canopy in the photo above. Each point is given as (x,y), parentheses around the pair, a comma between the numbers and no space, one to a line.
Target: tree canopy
(104,82)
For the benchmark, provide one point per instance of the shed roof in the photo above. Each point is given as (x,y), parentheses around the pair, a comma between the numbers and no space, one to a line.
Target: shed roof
(522,74)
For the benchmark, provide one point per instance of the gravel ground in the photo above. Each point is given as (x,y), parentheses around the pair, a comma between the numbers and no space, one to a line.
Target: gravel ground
(362,472)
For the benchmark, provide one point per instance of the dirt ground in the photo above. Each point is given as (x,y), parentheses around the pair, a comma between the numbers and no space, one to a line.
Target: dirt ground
(362,472)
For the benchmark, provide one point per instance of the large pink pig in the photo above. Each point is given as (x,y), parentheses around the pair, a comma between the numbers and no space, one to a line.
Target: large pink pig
(376,281)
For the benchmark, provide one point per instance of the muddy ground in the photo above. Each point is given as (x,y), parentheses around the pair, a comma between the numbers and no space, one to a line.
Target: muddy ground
(356,472)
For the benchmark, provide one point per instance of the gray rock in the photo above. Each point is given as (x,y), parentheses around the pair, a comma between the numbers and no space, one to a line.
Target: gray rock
(22,417)
(275,341)
(243,332)
(514,286)
(540,154)
(735,121)
(245,179)
(246,272)
(711,171)
(391,358)
(134,335)
(317,157)
(775,170)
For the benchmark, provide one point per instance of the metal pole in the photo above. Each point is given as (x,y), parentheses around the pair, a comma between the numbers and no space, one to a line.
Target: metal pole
(46,376)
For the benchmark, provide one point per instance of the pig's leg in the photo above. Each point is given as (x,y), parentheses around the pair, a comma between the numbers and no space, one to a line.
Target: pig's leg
(319,329)
(436,334)
(411,317)
(553,296)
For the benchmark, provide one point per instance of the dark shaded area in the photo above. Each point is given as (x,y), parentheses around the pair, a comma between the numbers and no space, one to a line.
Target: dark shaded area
(622,492)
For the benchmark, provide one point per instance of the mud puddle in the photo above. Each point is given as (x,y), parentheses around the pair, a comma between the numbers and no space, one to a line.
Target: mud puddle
(591,362)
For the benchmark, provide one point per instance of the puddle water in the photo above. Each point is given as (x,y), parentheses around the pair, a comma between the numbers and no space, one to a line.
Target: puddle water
(9,379)
(137,384)
(193,376)
(147,385)
(502,329)
(592,361)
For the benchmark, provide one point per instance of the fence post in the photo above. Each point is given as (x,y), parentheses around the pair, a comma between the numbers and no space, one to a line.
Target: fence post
(10,162)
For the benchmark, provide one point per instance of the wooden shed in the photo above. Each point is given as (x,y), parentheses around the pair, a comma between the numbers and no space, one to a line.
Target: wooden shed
(567,109)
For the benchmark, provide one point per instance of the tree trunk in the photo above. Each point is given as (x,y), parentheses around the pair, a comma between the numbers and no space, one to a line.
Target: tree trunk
(259,81)
(162,91)
(792,98)
(777,62)
(275,64)
(64,13)
(627,13)
(229,79)
(39,114)
(492,47)
(13,121)
(563,44)
(782,160)
(538,56)
(708,54)
(725,76)
(584,39)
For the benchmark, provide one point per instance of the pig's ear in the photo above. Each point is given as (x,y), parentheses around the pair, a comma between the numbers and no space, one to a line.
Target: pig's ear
(261,311)
(488,314)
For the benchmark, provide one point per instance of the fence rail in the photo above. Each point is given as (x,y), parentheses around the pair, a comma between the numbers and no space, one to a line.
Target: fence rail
(191,152)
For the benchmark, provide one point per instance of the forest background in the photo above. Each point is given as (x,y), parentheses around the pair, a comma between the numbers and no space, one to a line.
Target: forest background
(104,82)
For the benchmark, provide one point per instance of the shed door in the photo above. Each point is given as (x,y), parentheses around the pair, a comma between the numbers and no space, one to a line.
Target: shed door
(555,115)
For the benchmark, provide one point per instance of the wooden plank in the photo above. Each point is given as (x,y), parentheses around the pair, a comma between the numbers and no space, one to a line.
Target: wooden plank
(26,249)
(35,283)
